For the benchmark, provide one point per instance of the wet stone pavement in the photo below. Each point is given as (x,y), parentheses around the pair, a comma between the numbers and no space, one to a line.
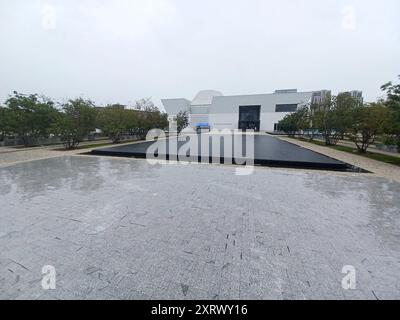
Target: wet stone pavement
(123,229)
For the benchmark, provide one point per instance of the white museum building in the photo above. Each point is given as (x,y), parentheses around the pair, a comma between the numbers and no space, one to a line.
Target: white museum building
(260,112)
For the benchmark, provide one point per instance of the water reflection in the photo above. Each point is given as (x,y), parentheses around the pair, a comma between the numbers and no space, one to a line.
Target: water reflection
(76,173)
(333,185)
(379,195)
(385,213)
(36,178)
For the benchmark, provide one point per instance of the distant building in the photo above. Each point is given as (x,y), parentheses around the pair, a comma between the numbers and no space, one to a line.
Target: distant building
(319,97)
(356,94)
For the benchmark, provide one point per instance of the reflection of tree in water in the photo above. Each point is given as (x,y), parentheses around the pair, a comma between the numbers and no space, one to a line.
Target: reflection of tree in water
(385,213)
(76,173)
(379,194)
(35,178)
(5,188)
(334,186)
(127,169)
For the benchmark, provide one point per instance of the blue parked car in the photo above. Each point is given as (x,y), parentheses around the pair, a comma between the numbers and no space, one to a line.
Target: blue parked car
(202,127)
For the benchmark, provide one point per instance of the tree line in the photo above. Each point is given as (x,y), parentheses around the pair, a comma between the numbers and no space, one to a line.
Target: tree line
(31,116)
(343,116)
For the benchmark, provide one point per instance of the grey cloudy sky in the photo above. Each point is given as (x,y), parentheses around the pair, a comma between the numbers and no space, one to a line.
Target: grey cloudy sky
(122,50)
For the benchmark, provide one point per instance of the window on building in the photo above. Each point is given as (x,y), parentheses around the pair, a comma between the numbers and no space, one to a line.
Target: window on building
(285,107)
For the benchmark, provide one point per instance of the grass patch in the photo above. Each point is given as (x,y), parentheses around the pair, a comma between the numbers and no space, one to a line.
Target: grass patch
(370,155)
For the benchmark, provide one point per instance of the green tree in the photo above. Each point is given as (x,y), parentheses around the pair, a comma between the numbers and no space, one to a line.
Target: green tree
(295,122)
(149,116)
(182,120)
(368,122)
(4,122)
(288,125)
(30,116)
(75,122)
(115,120)
(162,121)
(334,117)
(392,127)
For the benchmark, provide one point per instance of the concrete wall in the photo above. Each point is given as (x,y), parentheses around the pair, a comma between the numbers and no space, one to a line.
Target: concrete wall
(224,113)
(199,114)
(198,118)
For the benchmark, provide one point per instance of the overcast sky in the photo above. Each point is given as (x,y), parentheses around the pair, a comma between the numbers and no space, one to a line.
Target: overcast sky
(123,50)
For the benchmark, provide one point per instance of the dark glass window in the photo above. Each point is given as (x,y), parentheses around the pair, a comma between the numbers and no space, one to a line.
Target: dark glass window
(249,113)
(286,108)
